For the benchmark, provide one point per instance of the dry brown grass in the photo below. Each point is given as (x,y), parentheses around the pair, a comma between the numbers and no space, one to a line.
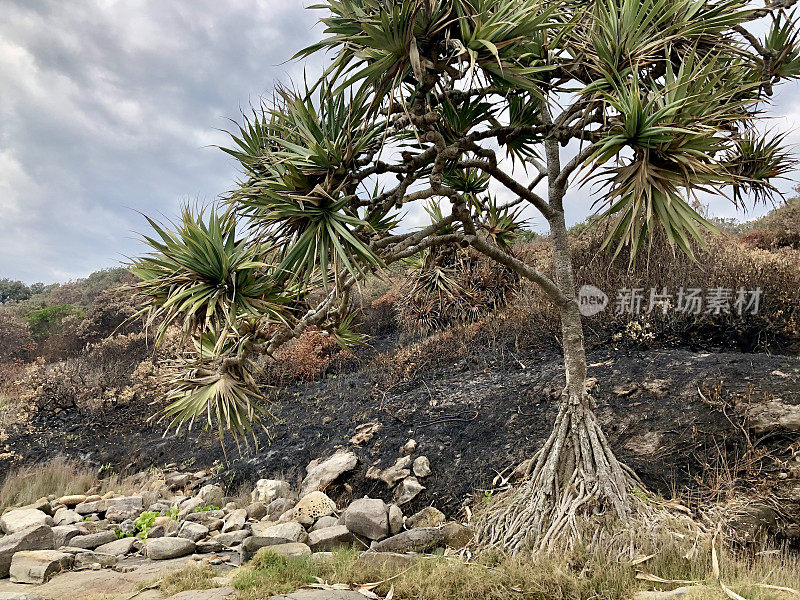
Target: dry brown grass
(580,575)
(59,477)
(190,577)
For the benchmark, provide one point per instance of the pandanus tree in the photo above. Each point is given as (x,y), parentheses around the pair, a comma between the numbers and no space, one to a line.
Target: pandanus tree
(652,101)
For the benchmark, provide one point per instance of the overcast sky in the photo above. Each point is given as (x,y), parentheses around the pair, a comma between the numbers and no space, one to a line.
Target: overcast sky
(108,107)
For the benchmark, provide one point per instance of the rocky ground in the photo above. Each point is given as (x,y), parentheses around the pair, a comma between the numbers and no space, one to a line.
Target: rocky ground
(116,542)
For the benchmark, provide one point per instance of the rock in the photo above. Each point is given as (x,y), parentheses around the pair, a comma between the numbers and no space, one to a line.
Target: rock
(168,547)
(211,495)
(770,416)
(121,509)
(175,481)
(422,466)
(395,519)
(294,532)
(420,539)
(233,538)
(63,534)
(23,518)
(209,518)
(409,447)
(256,511)
(71,501)
(291,549)
(234,520)
(319,475)
(189,505)
(314,505)
(92,497)
(19,596)
(119,547)
(655,595)
(277,507)
(324,522)
(42,504)
(156,531)
(209,546)
(93,506)
(456,535)
(408,489)
(86,560)
(93,540)
(365,432)
(330,538)
(38,537)
(399,470)
(368,517)
(65,516)
(253,544)
(192,531)
(393,561)
(38,566)
(267,490)
(427,517)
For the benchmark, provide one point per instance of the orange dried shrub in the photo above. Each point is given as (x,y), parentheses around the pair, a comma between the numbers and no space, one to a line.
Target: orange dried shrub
(306,357)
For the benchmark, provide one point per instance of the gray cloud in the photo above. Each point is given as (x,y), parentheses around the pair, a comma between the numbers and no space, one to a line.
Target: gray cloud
(108,108)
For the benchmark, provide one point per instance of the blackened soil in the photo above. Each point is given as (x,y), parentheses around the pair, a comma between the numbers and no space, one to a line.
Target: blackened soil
(668,413)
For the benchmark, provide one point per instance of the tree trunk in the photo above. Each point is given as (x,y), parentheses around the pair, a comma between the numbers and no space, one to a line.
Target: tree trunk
(575,473)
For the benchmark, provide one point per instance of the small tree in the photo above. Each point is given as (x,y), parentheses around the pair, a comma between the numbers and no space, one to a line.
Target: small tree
(433,99)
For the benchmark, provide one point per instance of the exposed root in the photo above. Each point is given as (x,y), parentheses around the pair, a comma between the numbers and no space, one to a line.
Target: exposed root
(575,474)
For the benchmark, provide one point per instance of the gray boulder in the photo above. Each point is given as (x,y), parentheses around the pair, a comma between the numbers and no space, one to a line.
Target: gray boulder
(64,534)
(235,520)
(38,537)
(267,490)
(168,547)
(93,540)
(408,489)
(234,538)
(368,517)
(38,566)
(119,547)
(65,516)
(192,531)
(23,518)
(427,517)
(330,538)
(121,509)
(277,507)
(87,560)
(253,544)
(320,474)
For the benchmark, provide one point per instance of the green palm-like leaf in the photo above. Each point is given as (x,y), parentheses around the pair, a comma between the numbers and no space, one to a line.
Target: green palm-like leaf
(300,157)
(385,42)
(677,132)
(226,399)
(754,162)
(783,43)
(200,277)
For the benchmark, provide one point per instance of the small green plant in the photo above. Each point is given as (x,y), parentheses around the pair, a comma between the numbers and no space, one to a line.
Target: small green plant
(144,523)
(121,534)
(487,497)
(172,513)
(206,508)
(104,468)
(71,437)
